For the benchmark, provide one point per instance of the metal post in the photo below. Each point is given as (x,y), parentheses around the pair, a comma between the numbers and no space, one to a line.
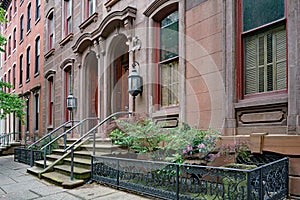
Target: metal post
(261,189)
(45,153)
(177,182)
(49,147)
(65,141)
(133,104)
(31,157)
(72,163)
(94,143)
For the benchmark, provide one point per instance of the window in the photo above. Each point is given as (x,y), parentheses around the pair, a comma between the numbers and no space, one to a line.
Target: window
(28,64)
(168,61)
(14,76)
(10,14)
(37,55)
(5,53)
(9,45)
(263,35)
(68,89)
(50,31)
(15,5)
(90,8)
(22,28)
(8,79)
(37,110)
(68,16)
(28,17)
(14,38)
(21,69)
(50,101)
(4,79)
(27,114)
(37,9)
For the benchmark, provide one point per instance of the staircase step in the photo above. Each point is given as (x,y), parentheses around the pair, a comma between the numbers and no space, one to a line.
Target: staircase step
(82,161)
(104,148)
(35,170)
(40,163)
(58,151)
(53,157)
(62,180)
(79,173)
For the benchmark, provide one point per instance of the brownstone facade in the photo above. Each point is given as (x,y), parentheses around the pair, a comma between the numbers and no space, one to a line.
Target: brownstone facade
(90,48)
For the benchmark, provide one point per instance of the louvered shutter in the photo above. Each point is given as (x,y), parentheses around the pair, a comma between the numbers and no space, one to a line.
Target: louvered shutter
(281,59)
(250,65)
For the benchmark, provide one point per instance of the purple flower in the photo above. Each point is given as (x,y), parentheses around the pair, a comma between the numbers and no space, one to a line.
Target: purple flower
(189,147)
(201,146)
(184,152)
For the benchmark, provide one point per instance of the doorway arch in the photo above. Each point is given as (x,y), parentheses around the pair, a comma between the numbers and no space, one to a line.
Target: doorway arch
(90,97)
(119,67)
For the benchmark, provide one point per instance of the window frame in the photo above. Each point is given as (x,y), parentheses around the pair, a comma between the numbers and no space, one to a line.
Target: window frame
(14,76)
(68,89)
(36,111)
(21,28)
(21,70)
(50,27)
(50,101)
(37,10)
(68,12)
(28,64)
(37,55)
(158,87)
(15,38)
(240,53)
(28,17)
(90,8)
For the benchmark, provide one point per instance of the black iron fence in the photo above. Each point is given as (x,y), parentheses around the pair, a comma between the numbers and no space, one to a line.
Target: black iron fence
(24,155)
(175,181)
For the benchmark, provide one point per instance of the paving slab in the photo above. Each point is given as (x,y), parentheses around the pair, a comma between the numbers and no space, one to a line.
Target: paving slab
(16,184)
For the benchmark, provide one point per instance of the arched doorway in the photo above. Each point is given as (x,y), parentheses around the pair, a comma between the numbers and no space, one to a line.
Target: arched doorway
(119,75)
(91,90)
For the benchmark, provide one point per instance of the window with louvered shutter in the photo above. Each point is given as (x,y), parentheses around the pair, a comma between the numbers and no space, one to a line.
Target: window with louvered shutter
(265,61)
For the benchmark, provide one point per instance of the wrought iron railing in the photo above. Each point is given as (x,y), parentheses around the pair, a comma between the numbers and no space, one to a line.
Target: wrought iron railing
(91,131)
(179,181)
(47,148)
(27,156)
(7,138)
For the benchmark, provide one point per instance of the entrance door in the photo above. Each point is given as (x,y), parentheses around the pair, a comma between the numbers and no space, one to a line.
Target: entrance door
(120,89)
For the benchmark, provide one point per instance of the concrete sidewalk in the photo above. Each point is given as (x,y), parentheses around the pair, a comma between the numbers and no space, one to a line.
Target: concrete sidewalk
(16,184)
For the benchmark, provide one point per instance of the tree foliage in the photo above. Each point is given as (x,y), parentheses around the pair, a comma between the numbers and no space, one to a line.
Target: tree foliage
(11,103)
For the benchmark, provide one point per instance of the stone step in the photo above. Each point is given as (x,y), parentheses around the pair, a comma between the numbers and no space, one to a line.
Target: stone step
(35,170)
(80,161)
(40,163)
(104,148)
(53,157)
(62,180)
(79,172)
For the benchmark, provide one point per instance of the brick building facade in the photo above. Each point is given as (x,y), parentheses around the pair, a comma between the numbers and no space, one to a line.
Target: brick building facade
(23,63)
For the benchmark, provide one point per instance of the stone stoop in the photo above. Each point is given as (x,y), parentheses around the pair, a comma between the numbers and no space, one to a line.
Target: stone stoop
(9,149)
(60,173)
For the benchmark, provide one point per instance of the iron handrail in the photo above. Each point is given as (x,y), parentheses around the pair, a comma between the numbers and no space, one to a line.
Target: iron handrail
(52,132)
(6,136)
(95,127)
(69,130)
(64,134)
(94,138)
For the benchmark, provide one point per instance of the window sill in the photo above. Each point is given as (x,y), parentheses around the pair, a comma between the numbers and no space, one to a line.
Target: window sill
(49,53)
(37,20)
(166,111)
(88,21)
(21,85)
(110,3)
(50,127)
(262,101)
(28,32)
(27,81)
(21,41)
(36,74)
(66,39)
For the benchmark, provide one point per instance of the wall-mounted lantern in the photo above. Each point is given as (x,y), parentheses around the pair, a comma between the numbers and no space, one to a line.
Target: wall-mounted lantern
(135,82)
(71,102)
